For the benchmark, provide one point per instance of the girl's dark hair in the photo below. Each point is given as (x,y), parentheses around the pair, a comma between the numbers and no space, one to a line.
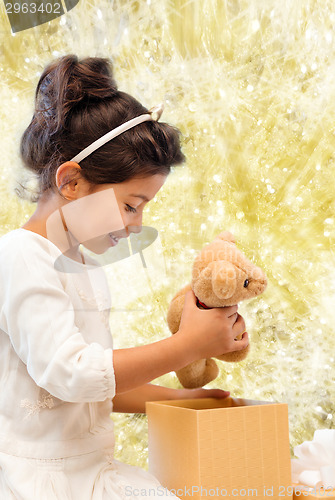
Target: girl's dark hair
(76,102)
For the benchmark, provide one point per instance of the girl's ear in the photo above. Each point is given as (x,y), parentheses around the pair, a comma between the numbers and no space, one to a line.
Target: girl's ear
(67,176)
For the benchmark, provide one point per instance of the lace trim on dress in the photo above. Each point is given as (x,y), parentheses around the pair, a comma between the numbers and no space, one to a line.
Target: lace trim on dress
(35,407)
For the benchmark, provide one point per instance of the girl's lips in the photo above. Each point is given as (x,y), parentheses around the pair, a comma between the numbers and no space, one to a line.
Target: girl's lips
(114,240)
(117,235)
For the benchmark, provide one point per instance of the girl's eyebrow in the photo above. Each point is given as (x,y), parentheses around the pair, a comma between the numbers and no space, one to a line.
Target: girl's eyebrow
(140,196)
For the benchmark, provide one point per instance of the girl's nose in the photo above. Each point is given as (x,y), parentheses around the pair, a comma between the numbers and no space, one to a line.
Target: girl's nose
(136,226)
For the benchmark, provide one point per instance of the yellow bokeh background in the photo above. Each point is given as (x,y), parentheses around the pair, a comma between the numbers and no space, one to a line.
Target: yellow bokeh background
(251,85)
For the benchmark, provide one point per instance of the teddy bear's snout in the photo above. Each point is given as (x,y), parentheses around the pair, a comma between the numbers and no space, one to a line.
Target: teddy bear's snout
(257,282)
(258,287)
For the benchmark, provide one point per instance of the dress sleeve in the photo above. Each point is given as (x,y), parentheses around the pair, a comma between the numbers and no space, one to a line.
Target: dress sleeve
(39,318)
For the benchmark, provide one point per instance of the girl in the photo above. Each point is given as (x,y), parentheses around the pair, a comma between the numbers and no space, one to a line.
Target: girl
(59,375)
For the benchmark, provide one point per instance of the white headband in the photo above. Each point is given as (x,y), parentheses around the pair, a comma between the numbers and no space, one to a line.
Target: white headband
(153,114)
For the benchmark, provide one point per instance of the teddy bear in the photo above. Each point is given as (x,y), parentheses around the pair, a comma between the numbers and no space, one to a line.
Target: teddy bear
(221,276)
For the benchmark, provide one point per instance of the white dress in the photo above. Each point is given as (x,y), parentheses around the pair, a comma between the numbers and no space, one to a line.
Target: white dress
(57,379)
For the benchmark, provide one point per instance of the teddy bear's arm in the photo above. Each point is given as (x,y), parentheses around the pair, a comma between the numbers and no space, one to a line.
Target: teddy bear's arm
(199,372)
(176,309)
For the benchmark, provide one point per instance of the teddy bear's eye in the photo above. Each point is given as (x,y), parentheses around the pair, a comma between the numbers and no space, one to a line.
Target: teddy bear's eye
(246,283)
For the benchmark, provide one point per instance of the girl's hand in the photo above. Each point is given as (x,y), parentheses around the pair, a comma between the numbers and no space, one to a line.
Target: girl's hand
(202,334)
(202,393)
(211,332)
(134,401)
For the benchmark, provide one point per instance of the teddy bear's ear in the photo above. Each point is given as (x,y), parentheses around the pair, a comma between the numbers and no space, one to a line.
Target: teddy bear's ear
(220,276)
(226,236)
(223,279)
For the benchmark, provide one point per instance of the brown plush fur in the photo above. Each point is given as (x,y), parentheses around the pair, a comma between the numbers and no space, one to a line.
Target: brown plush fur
(219,277)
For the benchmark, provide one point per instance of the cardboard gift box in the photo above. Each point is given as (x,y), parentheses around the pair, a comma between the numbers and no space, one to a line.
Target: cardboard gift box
(211,448)
(301,492)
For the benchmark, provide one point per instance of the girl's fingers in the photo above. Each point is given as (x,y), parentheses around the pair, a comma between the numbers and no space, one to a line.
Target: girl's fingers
(239,324)
(230,310)
(208,393)
(234,318)
(216,393)
(242,343)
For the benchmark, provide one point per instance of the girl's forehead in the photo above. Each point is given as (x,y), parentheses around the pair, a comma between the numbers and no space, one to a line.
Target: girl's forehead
(144,187)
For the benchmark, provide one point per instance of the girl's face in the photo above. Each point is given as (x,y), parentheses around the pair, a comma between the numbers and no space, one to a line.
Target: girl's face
(131,197)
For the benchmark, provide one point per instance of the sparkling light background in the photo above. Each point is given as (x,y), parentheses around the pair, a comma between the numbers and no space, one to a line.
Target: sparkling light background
(251,84)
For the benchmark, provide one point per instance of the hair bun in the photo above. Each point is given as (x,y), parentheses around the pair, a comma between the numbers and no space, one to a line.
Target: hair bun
(68,83)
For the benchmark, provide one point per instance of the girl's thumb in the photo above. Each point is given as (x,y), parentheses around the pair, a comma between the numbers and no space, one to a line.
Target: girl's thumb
(190,297)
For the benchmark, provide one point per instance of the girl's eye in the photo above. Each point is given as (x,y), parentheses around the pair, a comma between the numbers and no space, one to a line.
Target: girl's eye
(130,209)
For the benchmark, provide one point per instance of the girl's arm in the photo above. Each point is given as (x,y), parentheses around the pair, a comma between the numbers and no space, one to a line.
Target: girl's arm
(134,401)
(202,334)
